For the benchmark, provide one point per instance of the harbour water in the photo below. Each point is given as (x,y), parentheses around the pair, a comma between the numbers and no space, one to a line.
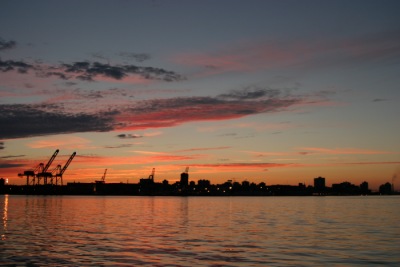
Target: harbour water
(199,231)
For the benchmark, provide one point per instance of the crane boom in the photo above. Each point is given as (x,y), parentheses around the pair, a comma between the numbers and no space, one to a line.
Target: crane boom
(67,164)
(152,174)
(50,161)
(104,176)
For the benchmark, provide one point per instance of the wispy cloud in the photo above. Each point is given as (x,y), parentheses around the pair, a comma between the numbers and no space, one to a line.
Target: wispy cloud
(90,71)
(242,165)
(12,156)
(12,65)
(341,151)
(314,53)
(61,142)
(204,149)
(6,165)
(379,100)
(4,45)
(120,146)
(140,57)
(129,136)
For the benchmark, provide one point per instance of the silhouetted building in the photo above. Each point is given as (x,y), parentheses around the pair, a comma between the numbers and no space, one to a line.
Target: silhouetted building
(2,187)
(184,179)
(319,184)
(146,181)
(203,183)
(385,189)
(345,188)
(364,188)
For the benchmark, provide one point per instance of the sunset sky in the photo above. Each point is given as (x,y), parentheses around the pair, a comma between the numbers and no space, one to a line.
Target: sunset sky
(278,92)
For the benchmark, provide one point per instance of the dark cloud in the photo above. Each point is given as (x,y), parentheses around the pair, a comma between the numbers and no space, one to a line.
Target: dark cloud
(250,93)
(140,57)
(10,65)
(1,145)
(5,165)
(128,136)
(12,156)
(88,71)
(379,100)
(60,75)
(100,55)
(119,146)
(35,120)
(7,44)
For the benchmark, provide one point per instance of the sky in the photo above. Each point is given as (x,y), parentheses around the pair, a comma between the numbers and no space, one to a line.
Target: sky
(278,92)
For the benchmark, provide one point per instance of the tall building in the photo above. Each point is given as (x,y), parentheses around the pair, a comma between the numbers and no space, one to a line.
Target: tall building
(184,179)
(319,184)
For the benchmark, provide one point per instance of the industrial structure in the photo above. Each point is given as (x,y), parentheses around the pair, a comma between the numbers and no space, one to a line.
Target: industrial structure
(103,178)
(59,171)
(150,180)
(41,172)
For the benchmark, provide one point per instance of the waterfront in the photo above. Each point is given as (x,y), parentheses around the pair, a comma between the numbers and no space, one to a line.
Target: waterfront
(199,231)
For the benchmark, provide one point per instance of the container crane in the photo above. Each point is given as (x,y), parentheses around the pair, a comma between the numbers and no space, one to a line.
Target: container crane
(44,173)
(40,171)
(60,171)
(30,173)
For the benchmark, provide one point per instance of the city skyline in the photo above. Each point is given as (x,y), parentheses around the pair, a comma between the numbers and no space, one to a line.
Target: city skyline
(278,92)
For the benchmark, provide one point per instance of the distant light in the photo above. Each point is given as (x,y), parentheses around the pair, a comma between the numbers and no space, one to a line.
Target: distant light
(7,181)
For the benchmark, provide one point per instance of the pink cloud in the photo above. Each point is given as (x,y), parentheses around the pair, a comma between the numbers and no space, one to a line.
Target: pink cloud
(249,57)
(243,58)
(171,112)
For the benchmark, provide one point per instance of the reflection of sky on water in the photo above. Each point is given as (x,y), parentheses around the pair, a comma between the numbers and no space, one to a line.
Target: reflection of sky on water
(5,217)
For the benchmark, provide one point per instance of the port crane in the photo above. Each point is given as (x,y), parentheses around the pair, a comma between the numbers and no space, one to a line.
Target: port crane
(58,171)
(44,169)
(30,174)
(40,171)
(103,178)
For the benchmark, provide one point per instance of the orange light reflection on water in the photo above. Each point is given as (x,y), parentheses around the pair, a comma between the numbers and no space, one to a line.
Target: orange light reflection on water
(5,217)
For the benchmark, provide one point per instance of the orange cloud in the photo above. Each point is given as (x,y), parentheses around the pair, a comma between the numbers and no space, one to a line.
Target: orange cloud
(61,142)
(244,166)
